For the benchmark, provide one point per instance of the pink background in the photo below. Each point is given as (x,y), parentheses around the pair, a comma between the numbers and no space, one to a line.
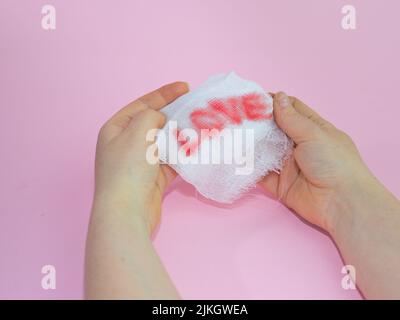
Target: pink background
(58,87)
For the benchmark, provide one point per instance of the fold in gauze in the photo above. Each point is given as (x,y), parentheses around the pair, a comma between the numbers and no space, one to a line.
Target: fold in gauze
(222,138)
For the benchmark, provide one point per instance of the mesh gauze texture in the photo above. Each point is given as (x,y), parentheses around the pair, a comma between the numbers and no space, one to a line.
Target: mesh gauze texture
(220,181)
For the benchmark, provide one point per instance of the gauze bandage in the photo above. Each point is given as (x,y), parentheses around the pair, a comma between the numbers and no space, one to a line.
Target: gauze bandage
(222,138)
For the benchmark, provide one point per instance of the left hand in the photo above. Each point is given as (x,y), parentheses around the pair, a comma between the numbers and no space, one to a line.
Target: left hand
(125,180)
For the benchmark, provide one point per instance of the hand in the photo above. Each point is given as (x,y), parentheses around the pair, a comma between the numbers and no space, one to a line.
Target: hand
(125,181)
(324,167)
(326,182)
(120,259)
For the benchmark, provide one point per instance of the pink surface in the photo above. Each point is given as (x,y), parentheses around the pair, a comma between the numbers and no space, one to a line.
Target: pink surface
(58,87)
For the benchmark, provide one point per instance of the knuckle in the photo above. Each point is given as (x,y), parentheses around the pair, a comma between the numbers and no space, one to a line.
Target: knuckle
(154,116)
(149,113)
(293,99)
(103,131)
(162,118)
(344,136)
(289,112)
(320,122)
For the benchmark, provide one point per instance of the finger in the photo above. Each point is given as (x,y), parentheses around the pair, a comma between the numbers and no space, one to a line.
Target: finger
(169,174)
(140,128)
(293,123)
(288,176)
(270,184)
(164,95)
(145,120)
(154,100)
(306,111)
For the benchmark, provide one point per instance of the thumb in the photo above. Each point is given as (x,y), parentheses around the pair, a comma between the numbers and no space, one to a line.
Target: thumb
(294,124)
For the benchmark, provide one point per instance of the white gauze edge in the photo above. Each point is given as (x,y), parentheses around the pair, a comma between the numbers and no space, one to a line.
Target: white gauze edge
(220,181)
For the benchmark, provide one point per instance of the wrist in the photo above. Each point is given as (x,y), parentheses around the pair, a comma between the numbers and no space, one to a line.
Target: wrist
(112,209)
(354,200)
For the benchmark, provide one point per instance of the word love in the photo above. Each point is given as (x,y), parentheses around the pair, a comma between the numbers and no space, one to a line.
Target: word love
(231,111)
(222,112)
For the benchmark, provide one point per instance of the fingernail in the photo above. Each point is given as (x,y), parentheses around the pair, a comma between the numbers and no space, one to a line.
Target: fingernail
(283,100)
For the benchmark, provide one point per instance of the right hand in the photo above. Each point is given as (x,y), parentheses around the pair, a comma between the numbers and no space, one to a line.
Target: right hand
(324,168)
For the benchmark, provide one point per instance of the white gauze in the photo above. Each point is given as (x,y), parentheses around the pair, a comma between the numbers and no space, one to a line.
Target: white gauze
(224,103)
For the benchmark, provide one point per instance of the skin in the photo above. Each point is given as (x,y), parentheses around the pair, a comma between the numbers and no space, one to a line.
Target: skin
(325,181)
(121,262)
